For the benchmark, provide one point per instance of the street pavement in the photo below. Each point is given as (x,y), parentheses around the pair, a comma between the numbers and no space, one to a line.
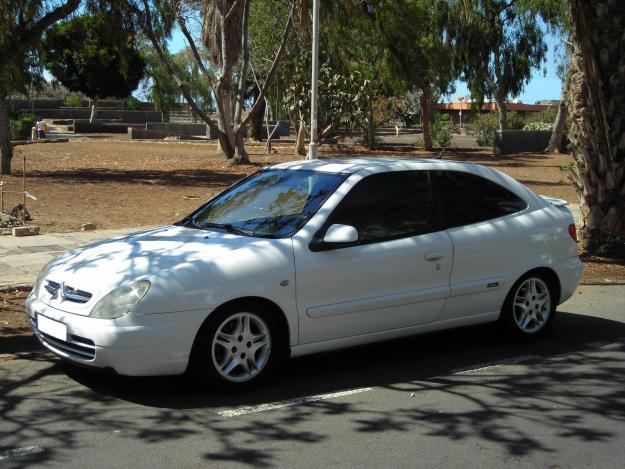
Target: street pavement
(462,398)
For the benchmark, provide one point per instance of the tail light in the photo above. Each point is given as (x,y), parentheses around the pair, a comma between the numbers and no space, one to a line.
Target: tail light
(573,231)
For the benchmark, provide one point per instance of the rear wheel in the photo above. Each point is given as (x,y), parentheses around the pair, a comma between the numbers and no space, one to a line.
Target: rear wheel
(530,307)
(236,348)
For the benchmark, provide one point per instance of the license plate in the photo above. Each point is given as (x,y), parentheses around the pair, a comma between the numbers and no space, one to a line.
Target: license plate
(56,329)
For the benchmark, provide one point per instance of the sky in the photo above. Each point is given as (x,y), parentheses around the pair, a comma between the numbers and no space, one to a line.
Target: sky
(544,83)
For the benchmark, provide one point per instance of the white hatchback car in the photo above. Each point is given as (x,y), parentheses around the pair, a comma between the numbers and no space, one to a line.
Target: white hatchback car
(305,257)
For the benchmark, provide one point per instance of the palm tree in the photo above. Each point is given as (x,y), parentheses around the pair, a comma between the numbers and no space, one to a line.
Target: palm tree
(596,108)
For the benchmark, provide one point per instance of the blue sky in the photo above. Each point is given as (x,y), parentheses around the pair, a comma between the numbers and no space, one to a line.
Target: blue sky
(544,83)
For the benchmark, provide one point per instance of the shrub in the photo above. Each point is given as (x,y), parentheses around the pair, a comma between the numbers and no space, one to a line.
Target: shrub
(515,121)
(72,100)
(483,127)
(539,126)
(21,126)
(441,129)
(547,117)
(132,103)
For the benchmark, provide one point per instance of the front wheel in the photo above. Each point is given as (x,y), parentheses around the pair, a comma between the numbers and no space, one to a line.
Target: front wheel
(530,308)
(236,349)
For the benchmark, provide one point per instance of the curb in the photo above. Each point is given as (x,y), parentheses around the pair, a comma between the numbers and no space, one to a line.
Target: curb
(16,286)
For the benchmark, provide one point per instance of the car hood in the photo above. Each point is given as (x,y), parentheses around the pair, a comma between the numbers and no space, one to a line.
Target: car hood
(153,255)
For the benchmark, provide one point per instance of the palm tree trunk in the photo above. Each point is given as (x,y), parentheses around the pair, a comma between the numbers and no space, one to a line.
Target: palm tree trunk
(6,149)
(596,107)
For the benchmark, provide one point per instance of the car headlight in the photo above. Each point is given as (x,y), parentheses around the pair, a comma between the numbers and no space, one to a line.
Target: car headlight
(120,301)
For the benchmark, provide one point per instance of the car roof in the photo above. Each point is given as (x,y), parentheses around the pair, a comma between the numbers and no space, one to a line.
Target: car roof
(350,165)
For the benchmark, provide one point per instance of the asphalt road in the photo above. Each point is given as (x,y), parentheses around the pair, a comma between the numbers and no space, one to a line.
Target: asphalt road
(457,398)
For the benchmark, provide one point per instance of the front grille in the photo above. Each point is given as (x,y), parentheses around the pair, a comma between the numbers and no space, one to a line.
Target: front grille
(68,293)
(75,346)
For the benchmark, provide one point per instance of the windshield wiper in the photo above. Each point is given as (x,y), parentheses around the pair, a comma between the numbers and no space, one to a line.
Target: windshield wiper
(230,228)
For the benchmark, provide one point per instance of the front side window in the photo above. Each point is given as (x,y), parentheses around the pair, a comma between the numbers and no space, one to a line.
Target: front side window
(270,204)
(465,198)
(387,206)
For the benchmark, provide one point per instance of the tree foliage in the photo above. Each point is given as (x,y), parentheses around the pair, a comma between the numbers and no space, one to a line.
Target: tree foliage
(94,54)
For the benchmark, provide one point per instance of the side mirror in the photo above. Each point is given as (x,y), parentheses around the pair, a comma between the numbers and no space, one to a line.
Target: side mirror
(341,234)
(337,236)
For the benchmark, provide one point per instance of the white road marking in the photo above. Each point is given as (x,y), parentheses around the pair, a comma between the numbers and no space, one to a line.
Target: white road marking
(287,403)
(14,453)
(482,366)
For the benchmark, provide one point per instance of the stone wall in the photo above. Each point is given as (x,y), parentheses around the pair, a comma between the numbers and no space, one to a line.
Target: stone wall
(519,141)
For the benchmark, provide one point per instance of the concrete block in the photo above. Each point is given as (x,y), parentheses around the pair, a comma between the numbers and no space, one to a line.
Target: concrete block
(25,230)
(88,227)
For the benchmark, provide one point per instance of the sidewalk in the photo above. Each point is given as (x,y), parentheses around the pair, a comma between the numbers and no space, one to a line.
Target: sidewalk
(21,259)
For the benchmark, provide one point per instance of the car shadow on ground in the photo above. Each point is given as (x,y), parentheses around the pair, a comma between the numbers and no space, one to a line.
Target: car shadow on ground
(386,364)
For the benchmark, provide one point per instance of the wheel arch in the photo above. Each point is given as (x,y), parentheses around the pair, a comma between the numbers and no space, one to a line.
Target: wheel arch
(253,302)
(549,275)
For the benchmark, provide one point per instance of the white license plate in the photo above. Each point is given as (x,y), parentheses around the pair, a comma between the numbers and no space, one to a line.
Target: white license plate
(56,329)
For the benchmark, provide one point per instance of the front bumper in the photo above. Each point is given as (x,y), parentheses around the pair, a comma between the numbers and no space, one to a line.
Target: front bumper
(133,345)
(569,272)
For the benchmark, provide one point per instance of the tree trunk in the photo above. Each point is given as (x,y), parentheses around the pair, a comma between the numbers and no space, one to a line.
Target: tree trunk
(370,126)
(596,108)
(240,155)
(555,142)
(502,112)
(6,149)
(256,124)
(300,144)
(425,117)
(94,110)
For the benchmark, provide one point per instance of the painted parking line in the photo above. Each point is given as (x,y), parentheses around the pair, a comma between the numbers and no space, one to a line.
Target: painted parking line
(26,451)
(289,402)
(505,361)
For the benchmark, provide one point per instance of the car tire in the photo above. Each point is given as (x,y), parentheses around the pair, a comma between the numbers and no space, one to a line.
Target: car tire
(530,308)
(236,348)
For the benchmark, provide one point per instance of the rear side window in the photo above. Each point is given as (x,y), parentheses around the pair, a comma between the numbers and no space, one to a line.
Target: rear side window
(387,206)
(466,198)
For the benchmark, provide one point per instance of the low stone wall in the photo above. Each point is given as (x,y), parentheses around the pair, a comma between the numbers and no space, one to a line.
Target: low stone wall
(135,133)
(129,117)
(53,103)
(179,128)
(86,127)
(519,141)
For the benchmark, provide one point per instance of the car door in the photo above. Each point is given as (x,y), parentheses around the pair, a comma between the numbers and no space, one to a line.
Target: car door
(396,275)
(488,240)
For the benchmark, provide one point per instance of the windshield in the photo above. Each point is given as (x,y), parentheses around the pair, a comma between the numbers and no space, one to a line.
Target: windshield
(271,204)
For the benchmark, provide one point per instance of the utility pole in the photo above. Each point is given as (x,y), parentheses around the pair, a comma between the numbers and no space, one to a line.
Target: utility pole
(313,151)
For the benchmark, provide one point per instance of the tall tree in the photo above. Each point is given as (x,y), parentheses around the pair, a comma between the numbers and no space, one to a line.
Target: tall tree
(95,54)
(499,44)
(22,24)
(416,32)
(224,35)
(596,105)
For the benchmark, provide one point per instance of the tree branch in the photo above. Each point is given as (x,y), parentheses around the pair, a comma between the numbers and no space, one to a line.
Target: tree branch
(272,70)
(28,37)
(170,69)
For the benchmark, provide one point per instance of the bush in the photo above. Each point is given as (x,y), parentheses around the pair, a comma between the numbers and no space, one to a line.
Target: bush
(539,126)
(441,129)
(515,121)
(483,128)
(132,103)
(72,100)
(21,126)
(544,117)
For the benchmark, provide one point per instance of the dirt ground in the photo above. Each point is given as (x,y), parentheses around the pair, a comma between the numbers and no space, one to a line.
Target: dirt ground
(117,183)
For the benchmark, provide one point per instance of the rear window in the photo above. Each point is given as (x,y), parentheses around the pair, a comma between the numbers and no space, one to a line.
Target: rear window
(465,198)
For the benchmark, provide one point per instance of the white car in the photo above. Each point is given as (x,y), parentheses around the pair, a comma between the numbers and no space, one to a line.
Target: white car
(305,257)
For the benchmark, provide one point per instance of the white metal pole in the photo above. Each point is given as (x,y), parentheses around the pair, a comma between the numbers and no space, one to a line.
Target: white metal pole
(313,153)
